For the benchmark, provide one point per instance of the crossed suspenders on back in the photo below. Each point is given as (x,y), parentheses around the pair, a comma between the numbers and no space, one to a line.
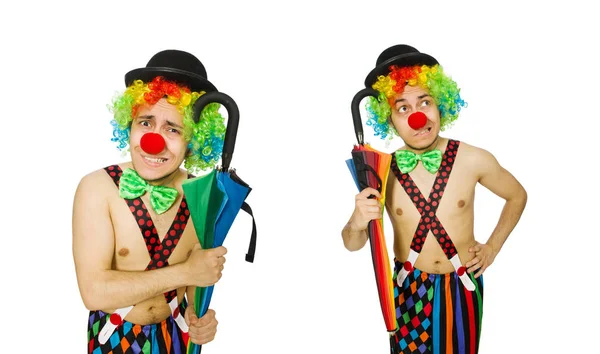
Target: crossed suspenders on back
(159,253)
(429,220)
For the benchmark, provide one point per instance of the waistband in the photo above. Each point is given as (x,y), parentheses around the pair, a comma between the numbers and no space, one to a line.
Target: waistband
(399,265)
(182,307)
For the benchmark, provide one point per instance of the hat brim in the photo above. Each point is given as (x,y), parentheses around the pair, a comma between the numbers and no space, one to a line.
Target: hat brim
(195,82)
(408,59)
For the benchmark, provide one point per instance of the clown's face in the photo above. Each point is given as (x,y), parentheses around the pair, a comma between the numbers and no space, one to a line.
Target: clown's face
(416,99)
(162,119)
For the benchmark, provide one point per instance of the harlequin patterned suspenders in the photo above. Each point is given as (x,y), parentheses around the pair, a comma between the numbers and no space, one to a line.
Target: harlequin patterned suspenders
(159,253)
(429,220)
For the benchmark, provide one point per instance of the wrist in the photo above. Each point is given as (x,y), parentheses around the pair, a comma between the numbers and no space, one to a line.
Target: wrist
(353,228)
(494,248)
(183,273)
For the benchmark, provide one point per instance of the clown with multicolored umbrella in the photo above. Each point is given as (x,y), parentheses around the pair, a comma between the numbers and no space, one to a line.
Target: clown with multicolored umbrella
(437,283)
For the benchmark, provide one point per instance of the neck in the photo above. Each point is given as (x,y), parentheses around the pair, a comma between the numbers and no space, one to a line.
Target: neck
(429,147)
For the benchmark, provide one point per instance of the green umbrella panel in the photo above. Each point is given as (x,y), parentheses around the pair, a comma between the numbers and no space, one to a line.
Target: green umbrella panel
(205,200)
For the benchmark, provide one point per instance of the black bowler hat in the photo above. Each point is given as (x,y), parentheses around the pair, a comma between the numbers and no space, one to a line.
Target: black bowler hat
(401,55)
(174,65)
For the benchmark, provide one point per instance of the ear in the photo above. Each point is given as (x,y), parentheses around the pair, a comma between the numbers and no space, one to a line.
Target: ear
(392,126)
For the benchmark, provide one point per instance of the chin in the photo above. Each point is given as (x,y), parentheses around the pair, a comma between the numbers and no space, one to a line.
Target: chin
(155,175)
(421,142)
(426,143)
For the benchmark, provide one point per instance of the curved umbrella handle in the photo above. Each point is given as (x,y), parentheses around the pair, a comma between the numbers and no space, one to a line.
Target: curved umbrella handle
(232,122)
(358,128)
(365,167)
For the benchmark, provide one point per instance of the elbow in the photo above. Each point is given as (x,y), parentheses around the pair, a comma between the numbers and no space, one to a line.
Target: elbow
(523,197)
(90,301)
(89,305)
(91,296)
(519,199)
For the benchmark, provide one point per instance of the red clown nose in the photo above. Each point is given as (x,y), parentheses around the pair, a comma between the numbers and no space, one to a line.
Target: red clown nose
(152,143)
(417,120)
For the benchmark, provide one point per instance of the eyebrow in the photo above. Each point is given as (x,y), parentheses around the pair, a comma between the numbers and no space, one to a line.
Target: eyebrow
(169,123)
(420,97)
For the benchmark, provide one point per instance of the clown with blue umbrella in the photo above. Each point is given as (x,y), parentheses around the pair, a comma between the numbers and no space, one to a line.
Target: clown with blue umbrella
(130,218)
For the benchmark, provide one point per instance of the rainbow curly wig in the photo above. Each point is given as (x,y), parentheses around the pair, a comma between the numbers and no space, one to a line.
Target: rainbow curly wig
(205,138)
(441,87)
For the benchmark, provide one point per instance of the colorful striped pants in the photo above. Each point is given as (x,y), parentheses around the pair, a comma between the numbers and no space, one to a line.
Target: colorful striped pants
(164,337)
(436,314)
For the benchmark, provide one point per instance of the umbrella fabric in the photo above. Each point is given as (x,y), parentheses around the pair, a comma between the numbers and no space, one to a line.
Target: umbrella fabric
(234,196)
(237,192)
(214,211)
(370,168)
(204,202)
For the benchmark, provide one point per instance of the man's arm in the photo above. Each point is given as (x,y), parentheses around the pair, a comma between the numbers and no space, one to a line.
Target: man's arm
(354,233)
(502,183)
(93,250)
(353,239)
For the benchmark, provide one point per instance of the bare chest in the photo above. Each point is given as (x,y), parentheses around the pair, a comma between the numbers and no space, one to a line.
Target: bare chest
(142,236)
(446,197)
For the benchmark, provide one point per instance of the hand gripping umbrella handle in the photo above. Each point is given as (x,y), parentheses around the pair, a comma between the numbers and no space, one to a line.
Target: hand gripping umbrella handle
(358,128)
(232,121)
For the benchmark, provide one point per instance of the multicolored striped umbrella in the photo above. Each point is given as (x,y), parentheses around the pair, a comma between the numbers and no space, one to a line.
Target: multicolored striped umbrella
(370,168)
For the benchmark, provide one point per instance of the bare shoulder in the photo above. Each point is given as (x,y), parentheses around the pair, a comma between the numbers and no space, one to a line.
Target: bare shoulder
(478,159)
(95,185)
(97,177)
(474,151)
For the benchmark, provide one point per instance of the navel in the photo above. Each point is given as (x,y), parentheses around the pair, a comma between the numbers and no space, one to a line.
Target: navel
(398,211)
(123,252)
(461,203)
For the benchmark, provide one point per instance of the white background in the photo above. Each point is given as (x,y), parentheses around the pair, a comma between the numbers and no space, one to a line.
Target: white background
(528,71)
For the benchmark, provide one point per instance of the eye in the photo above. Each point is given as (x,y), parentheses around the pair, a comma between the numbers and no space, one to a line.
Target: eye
(173,130)
(402,109)
(144,123)
(426,103)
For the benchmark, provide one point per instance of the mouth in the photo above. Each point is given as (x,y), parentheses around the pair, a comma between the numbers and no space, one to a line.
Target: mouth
(423,132)
(154,161)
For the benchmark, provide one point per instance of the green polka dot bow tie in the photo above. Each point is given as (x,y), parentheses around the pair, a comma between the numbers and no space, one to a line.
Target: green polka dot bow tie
(407,160)
(132,186)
